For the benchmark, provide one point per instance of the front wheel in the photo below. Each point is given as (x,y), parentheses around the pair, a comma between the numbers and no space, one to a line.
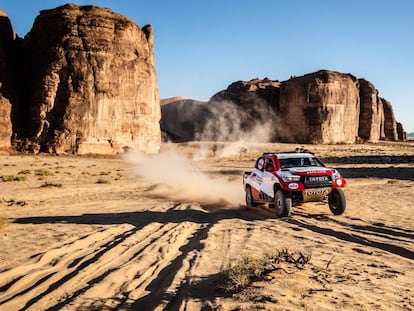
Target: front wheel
(337,201)
(283,205)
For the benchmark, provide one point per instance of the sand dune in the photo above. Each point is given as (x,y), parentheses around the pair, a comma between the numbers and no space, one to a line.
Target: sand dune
(95,234)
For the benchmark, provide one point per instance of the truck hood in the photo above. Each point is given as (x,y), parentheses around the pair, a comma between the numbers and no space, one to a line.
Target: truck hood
(310,171)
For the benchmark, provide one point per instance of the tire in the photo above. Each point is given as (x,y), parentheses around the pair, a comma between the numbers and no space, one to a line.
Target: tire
(337,201)
(282,204)
(249,198)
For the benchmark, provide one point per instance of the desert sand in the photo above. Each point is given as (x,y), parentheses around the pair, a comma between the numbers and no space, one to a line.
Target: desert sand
(155,232)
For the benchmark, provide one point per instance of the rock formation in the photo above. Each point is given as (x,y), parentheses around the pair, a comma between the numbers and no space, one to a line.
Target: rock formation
(6,88)
(89,84)
(390,125)
(183,119)
(371,114)
(402,135)
(247,93)
(320,107)
(245,107)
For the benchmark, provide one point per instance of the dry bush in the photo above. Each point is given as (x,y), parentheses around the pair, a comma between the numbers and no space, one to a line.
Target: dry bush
(7,178)
(24,172)
(103,181)
(247,269)
(50,185)
(42,173)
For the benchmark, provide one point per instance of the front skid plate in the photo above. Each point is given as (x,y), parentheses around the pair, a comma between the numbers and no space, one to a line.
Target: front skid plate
(315,194)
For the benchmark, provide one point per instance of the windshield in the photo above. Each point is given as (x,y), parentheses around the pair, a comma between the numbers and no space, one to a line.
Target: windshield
(295,162)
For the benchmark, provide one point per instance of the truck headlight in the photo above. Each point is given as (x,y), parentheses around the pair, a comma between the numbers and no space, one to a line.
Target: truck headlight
(290,178)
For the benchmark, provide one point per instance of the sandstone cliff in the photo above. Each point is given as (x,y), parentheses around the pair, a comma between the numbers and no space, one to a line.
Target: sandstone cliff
(88,84)
(183,119)
(390,125)
(371,115)
(402,135)
(6,89)
(320,107)
(245,107)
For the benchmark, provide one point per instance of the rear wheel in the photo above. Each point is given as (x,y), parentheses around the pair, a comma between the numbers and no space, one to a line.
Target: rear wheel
(337,201)
(282,204)
(249,197)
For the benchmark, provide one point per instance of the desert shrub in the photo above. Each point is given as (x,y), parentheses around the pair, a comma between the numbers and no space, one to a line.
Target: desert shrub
(242,272)
(14,202)
(7,178)
(24,172)
(50,185)
(40,172)
(103,181)
(104,173)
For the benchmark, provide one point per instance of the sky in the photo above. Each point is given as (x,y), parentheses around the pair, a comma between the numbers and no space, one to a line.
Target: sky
(202,46)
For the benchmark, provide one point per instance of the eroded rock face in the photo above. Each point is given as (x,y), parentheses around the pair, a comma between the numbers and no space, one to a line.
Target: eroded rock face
(247,93)
(390,125)
(402,135)
(246,110)
(6,89)
(92,82)
(321,107)
(184,119)
(371,112)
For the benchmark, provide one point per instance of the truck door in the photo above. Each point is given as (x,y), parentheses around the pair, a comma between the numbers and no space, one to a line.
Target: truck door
(256,179)
(268,178)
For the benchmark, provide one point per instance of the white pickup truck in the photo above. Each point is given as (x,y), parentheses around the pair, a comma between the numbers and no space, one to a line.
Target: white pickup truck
(283,180)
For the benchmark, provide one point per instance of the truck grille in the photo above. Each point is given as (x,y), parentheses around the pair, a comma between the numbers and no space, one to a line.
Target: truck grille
(318,181)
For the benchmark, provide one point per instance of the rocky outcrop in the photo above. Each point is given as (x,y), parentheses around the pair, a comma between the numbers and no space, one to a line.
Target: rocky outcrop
(402,135)
(6,87)
(321,107)
(371,112)
(247,94)
(390,125)
(88,84)
(183,119)
(245,107)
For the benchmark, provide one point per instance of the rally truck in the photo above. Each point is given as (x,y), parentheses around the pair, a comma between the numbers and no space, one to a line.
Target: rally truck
(283,180)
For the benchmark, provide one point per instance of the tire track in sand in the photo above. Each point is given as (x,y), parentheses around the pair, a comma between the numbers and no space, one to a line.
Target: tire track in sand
(120,262)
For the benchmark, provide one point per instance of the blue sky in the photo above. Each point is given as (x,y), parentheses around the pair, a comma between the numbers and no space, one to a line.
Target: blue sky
(201,46)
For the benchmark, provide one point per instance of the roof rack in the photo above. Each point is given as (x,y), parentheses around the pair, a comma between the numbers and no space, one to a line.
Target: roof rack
(297,150)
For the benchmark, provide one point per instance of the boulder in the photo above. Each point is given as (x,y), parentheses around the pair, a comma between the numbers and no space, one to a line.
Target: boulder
(92,85)
(321,107)
(371,112)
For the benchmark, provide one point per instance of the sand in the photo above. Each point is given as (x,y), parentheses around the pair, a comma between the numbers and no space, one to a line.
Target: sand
(95,233)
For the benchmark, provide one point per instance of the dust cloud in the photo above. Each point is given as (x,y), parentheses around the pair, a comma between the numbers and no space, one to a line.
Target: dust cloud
(230,127)
(177,177)
(229,122)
